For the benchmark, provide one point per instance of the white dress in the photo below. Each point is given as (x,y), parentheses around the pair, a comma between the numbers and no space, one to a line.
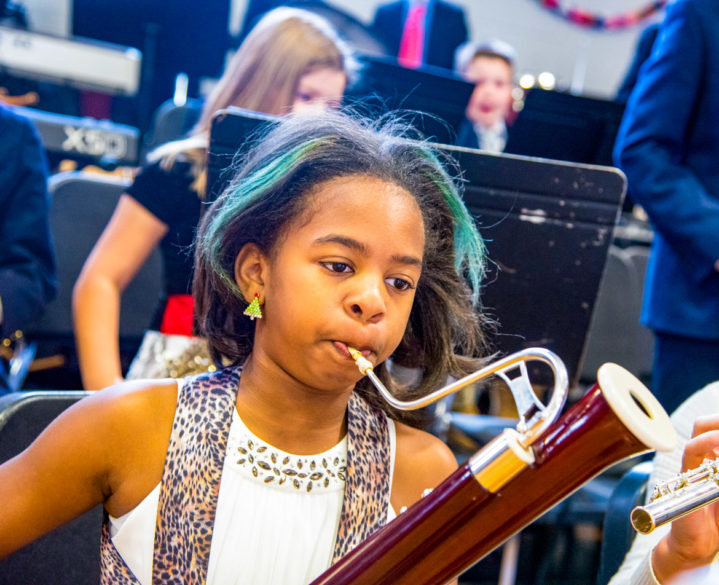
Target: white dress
(262,515)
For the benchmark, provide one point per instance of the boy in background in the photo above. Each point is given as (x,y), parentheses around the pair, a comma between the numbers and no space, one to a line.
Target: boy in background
(490,66)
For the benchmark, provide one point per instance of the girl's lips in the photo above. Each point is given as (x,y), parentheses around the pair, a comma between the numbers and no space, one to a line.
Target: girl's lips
(345,351)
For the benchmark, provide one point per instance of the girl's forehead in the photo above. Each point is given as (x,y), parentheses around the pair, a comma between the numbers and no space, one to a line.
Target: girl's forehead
(366,193)
(363,203)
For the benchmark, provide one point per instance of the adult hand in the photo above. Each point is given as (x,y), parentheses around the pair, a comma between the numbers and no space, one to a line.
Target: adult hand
(693,540)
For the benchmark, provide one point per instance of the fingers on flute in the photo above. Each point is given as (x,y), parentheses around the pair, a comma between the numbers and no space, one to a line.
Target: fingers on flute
(704,445)
(706,423)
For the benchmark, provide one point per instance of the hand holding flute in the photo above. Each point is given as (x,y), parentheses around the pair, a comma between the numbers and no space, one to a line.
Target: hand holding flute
(693,540)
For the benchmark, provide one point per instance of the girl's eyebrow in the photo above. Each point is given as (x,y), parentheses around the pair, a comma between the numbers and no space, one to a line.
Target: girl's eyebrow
(358,246)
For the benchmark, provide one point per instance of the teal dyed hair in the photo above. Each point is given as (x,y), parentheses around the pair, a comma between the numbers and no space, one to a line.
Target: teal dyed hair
(269,195)
(469,250)
(239,198)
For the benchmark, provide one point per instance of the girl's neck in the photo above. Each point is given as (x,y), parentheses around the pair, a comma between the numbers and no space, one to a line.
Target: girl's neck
(287,414)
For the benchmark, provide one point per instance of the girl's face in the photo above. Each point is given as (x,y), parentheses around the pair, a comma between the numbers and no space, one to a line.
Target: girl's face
(492,96)
(344,274)
(318,90)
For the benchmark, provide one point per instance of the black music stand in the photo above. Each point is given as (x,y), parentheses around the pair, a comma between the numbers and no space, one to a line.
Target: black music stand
(547,224)
(563,126)
(231,130)
(386,86)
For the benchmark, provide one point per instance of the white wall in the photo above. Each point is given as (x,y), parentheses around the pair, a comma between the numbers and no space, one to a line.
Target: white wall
(50,16)
(587,61)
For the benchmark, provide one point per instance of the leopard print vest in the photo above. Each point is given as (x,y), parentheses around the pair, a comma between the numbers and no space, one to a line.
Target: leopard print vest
(193,470)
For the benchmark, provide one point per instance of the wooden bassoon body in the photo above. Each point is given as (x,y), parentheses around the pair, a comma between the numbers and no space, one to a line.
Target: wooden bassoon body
(506,485)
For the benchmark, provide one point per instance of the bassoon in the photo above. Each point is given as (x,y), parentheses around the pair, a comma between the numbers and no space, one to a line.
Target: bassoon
(512,480)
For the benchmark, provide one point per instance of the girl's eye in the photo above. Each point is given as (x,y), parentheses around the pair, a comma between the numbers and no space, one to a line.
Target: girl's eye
(304,97)
(337,266)
(400,284)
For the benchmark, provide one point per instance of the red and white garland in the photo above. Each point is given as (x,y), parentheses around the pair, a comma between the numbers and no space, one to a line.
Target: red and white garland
(588,19)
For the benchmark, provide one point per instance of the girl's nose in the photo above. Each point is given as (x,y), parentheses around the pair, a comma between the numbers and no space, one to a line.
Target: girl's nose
(367,302)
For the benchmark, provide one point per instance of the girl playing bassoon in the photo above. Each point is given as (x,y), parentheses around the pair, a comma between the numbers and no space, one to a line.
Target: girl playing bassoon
(335,233)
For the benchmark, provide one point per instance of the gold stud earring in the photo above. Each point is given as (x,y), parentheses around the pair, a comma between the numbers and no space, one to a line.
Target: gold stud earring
(254,310)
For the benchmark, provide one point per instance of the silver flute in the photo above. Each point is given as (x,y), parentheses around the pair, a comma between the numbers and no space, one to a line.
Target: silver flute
(678,496)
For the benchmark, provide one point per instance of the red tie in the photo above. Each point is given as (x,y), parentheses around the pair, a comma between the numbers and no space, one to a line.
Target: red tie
(411,46)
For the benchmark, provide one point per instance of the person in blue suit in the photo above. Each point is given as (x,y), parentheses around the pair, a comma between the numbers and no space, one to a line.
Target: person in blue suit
(668,146)
(445,29)
(641,54)
(27,263)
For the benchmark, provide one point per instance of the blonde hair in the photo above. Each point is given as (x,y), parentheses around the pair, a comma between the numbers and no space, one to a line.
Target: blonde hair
(263,75)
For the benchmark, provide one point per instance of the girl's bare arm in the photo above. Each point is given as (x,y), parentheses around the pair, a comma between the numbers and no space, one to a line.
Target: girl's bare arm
(127,241)
(107,449)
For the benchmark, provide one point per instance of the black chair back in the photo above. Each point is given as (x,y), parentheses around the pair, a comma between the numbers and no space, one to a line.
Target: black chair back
(617,532)
(81,205)
(171,122)
(615,333)
(71,553)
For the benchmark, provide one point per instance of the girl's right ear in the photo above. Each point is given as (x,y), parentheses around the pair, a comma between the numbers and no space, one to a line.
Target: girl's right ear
(250,270)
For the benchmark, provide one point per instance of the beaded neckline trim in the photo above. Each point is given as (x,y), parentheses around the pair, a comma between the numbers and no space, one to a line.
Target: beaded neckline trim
(261,462)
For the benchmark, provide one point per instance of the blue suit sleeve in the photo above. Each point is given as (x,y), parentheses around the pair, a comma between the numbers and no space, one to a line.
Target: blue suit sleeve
(27,265)
(652,146)
(387,25)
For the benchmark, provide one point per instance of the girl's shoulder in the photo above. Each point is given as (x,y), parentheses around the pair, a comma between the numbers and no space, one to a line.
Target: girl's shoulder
(138,416)
(125,404)
(108,448)
(121,434)
(422,461)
